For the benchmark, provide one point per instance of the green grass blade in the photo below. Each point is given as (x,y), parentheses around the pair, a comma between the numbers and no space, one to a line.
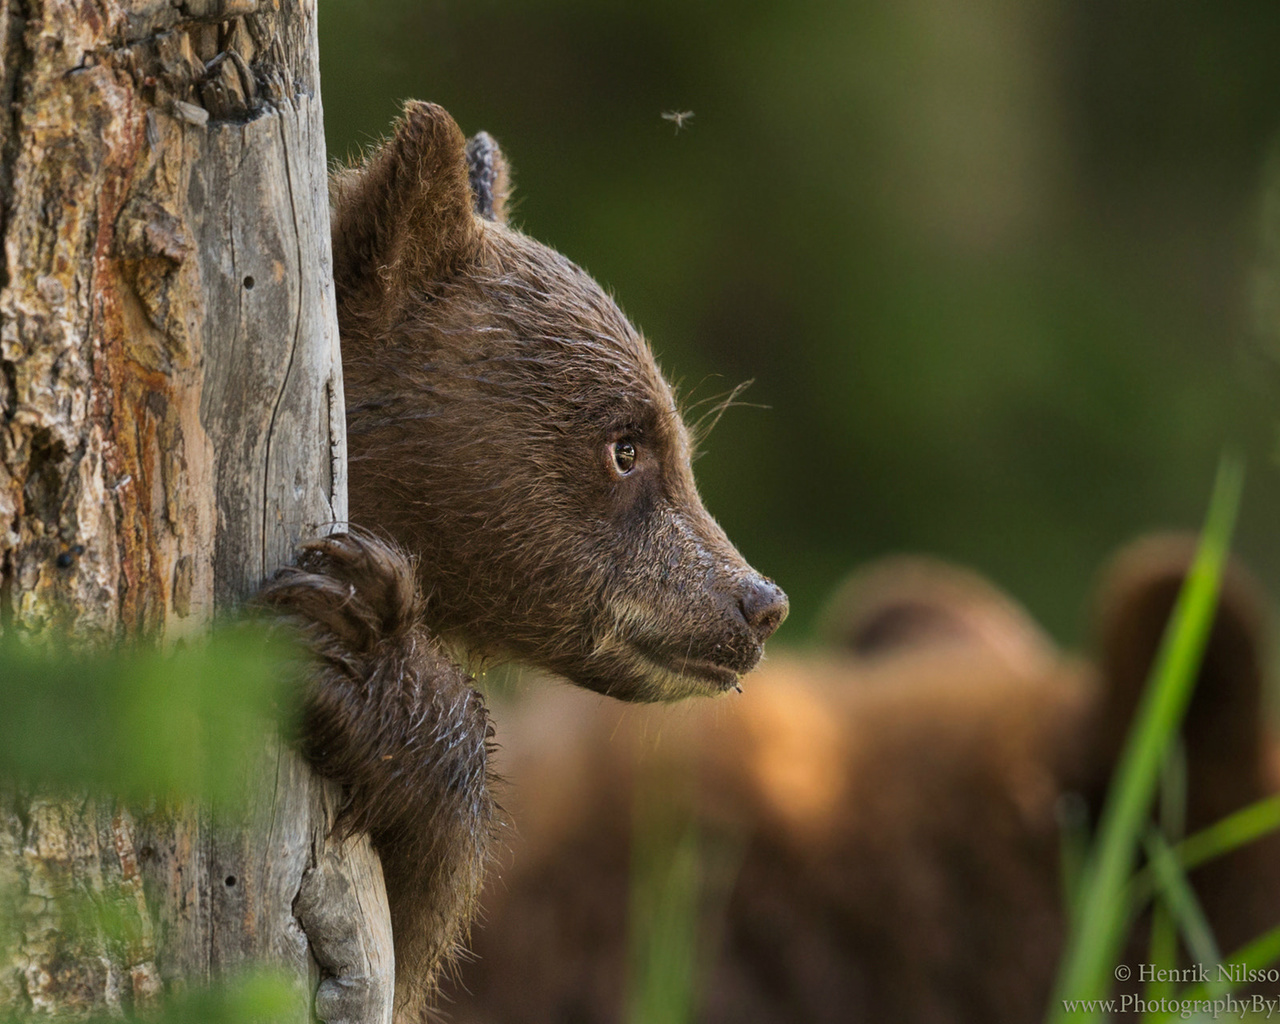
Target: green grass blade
(1241,828)
(663,912)
(1232,832)
(1177,895)
(141,723)
(1094,942)
(262,996)
(1239,969)
(1163,953)
(1164,925)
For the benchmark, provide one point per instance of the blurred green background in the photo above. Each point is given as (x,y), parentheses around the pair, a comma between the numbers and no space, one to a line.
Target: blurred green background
(989,265)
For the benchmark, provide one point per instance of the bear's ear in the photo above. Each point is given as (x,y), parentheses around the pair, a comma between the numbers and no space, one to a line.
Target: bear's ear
(403,215)
(904,604)
(490,177)
(1224,731)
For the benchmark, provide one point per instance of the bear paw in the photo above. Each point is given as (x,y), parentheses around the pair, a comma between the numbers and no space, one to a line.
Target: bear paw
(350,588)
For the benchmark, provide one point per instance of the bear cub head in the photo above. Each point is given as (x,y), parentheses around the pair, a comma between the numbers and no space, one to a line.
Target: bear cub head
(509,426)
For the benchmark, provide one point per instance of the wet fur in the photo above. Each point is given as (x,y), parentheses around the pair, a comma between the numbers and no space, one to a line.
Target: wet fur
(487,380)
(399,724)
(486,377)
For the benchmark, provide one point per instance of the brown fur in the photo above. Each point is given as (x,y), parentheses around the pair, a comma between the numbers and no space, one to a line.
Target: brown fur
(509,427)
(487,378)
(891,817)
(391,717)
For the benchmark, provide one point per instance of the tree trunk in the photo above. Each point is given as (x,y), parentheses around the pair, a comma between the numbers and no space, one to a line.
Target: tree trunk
(171,425)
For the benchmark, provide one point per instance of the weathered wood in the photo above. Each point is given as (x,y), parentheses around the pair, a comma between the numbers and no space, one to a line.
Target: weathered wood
(171,425)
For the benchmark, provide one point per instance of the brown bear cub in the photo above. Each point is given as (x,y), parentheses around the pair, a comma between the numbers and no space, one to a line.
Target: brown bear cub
(884,832)
(509,428)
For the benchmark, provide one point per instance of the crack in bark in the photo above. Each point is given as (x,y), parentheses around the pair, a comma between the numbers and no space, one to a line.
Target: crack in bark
(294,198)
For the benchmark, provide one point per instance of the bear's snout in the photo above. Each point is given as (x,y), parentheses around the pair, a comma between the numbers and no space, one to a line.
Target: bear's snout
(762,605)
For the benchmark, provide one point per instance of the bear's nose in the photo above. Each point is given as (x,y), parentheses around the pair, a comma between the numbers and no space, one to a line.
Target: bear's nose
(764,606)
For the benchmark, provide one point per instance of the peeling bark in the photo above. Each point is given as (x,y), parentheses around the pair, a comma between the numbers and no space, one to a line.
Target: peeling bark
(171,425)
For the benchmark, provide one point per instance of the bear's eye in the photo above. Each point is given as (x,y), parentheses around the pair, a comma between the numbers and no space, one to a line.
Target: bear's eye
(624,456)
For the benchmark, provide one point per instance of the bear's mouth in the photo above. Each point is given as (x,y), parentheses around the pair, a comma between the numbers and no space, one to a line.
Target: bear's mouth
(716,676)
(634,661)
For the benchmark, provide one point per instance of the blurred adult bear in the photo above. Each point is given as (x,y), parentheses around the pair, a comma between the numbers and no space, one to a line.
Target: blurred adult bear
(882,829)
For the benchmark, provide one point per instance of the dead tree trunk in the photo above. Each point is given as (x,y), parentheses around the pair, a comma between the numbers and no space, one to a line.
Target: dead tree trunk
(171,424)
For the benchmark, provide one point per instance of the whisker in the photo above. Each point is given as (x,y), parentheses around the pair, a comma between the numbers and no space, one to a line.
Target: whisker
(705,423)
